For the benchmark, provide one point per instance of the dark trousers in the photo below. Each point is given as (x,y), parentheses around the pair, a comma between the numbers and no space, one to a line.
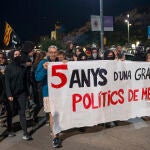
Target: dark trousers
(37,96)
(19,105)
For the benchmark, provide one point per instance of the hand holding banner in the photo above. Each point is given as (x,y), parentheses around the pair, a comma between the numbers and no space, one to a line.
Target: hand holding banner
(93,92)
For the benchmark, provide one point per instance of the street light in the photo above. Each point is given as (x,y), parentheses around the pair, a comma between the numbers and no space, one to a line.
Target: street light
(128,26)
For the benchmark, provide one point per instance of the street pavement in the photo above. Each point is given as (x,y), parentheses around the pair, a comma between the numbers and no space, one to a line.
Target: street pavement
(133,134)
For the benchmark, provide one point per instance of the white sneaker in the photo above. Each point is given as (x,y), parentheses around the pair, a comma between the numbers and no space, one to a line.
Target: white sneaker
(27,137)
(11,134)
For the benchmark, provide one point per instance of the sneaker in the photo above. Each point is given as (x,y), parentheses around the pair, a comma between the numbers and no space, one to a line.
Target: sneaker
(11,134)
(56,142)
(47,123)
(27,137)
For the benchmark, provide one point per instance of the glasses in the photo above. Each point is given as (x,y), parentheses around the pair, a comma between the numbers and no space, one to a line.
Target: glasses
(52,52)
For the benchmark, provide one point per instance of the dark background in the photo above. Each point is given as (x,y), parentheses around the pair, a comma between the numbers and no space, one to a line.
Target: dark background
(33,18)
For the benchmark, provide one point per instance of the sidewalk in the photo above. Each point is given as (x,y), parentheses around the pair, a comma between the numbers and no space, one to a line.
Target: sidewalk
(131,135)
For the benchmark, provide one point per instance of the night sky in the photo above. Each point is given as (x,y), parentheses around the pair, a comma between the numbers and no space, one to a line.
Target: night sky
(32,18)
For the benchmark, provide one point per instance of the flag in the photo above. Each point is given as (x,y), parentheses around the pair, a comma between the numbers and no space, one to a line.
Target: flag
(7,34)
(95,23)
(108,23)
(15,39)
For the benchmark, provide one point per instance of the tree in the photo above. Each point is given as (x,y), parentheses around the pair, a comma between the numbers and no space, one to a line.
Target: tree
(45,42)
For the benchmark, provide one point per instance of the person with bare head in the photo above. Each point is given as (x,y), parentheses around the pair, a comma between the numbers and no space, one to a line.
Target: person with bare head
(61,56)
(41,75)
(148,57)
(37,86)
(69,51)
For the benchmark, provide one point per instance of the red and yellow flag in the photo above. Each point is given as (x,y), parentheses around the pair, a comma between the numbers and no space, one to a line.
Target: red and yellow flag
(7,34)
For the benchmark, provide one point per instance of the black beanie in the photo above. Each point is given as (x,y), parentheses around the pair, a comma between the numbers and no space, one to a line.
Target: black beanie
(27,47)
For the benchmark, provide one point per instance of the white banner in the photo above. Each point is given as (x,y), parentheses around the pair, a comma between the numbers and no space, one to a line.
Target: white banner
(93,92)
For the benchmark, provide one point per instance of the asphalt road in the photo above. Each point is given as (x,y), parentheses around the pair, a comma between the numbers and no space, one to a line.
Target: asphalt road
(133,134)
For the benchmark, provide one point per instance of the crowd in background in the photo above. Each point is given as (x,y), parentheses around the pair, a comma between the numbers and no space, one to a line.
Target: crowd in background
(23,80)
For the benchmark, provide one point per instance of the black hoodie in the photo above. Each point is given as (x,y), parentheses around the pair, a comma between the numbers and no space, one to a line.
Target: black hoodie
(15,79)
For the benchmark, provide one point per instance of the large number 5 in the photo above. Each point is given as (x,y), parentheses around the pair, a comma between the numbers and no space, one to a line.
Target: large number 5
(62,76)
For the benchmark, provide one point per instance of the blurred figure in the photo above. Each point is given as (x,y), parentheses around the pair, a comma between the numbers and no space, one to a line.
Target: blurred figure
(146,118)
(148,57)
(116,55)
(140,54)
(61,56)
(88,53)
(3,99)
(82,57)
(120,54)
(69,51)
(27,59)
(3,62)
(37,86)
(109,55)
(95,54)
(17,91)
(1,57)
(79,54)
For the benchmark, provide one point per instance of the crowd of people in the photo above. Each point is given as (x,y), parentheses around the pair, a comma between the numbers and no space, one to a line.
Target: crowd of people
(23,80)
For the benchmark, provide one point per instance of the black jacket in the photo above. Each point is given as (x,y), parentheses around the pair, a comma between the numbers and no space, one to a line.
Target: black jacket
(16,80)
(1,87)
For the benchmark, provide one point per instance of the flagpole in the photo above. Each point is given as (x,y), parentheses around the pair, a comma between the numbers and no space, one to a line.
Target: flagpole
(102,25)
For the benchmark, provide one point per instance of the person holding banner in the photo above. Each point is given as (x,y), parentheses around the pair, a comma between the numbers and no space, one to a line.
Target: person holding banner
(148,57)
(41,75)
(110,55)
(95,54)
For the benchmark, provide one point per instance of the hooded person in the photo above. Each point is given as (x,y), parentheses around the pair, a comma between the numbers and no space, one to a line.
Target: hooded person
(16,85)
(27,51)
(109,55)
(140,54)
(95,54)
(27,59)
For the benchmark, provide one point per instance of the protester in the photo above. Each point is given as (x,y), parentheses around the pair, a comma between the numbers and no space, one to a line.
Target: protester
(61,56)
(140,54)
(88,53)
(69,51)
(27,59)
(95,54)
(79,54)
(110,55)
(37,86)
(148,57)
(3,62)
(41,75)
(17,91)
(3,99)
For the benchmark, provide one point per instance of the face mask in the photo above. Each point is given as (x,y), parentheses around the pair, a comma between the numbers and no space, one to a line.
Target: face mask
(17,59)
(109,58)
(31,58)
(94,55)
